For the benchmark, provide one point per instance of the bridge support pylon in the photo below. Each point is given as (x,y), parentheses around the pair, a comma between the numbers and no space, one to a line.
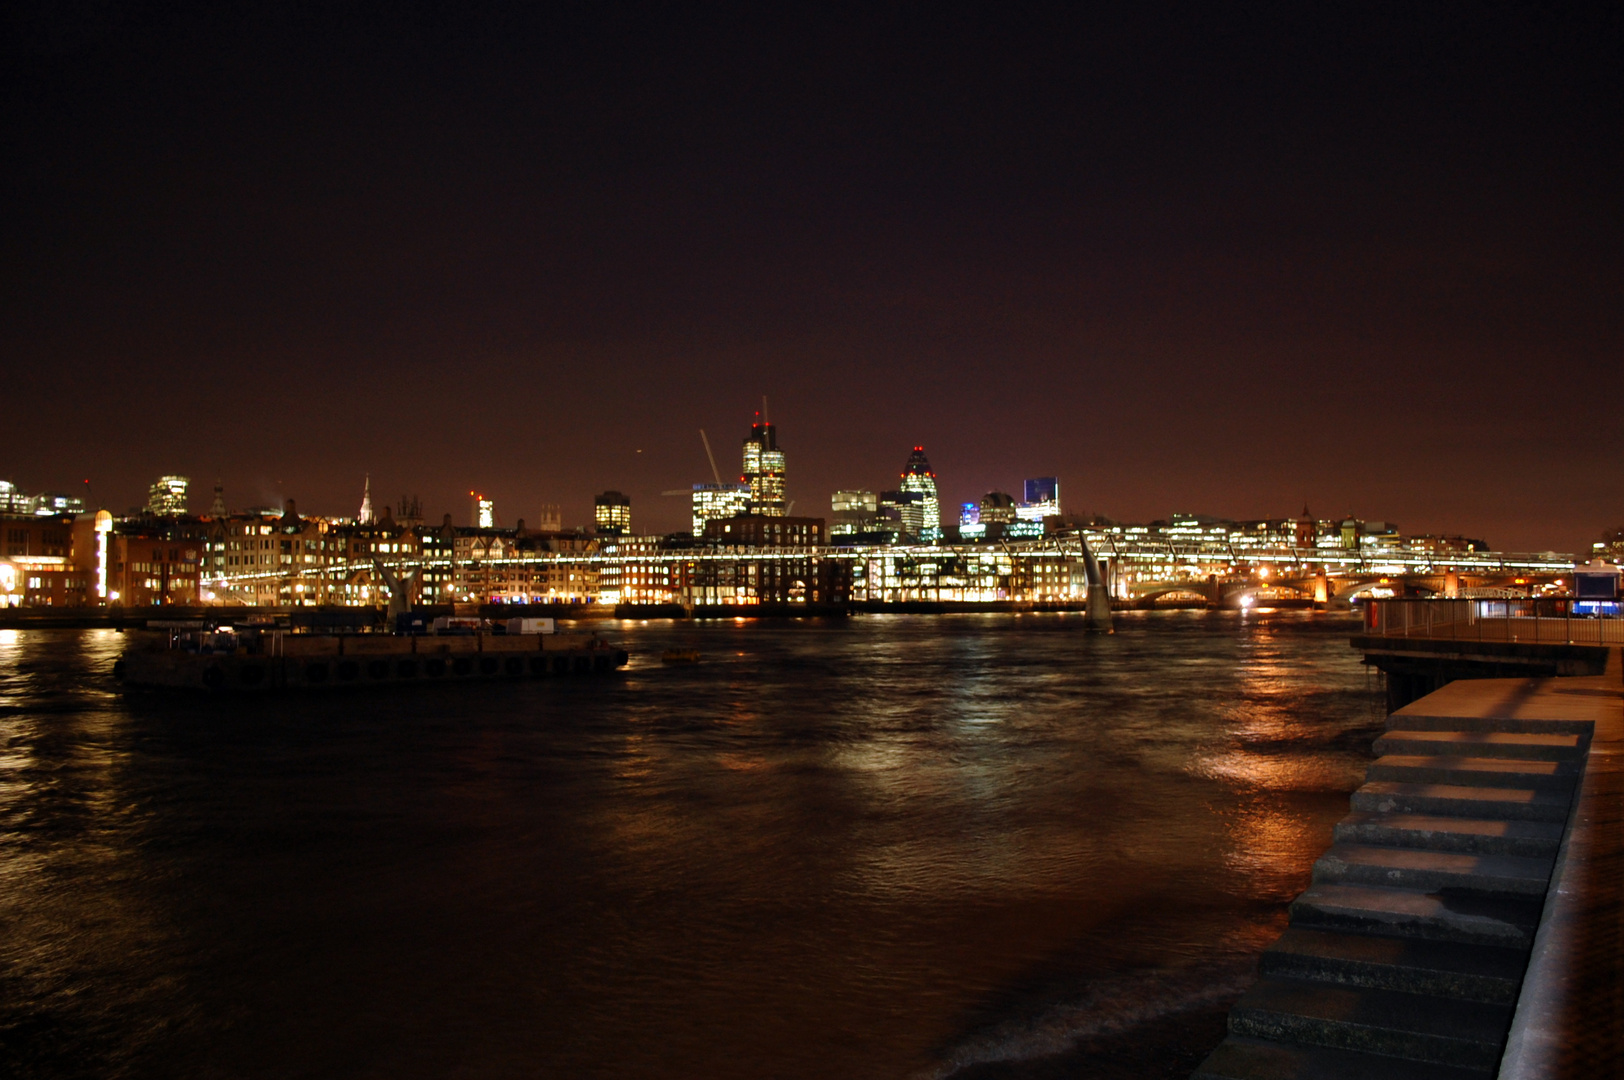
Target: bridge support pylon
(1097,616)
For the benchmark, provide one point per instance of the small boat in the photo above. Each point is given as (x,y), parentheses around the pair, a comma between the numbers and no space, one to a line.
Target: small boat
(680,656)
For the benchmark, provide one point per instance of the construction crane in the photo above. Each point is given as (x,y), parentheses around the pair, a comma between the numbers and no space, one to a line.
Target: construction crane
(715,472)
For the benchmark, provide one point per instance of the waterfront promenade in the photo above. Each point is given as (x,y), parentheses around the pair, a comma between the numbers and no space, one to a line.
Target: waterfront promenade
(1469,920)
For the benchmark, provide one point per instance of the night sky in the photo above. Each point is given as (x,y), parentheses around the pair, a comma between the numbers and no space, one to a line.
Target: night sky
(1188,257)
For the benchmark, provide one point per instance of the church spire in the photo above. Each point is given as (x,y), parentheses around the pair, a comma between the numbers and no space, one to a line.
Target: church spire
(365,517)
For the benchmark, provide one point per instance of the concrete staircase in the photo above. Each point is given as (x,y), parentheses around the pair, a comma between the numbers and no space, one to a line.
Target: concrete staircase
(1404,957)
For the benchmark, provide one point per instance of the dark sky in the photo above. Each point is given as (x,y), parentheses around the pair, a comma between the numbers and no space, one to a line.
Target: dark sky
(1187,257)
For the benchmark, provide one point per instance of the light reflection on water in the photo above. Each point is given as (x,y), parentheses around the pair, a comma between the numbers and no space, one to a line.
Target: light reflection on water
(887,847)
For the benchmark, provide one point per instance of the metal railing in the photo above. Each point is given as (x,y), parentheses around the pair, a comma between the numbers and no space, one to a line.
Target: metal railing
(1549,620)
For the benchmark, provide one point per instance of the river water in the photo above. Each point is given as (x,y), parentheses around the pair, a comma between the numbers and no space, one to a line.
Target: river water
(900,847)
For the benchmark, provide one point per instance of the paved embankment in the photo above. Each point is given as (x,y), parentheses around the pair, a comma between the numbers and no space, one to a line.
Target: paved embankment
(1406,956)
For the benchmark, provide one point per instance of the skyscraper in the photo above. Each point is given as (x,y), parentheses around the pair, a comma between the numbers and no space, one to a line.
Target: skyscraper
(764,470)
(612,514)
(168,495)
(918,477)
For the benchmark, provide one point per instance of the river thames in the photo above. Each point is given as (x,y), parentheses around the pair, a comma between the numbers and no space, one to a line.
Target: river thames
(901,847)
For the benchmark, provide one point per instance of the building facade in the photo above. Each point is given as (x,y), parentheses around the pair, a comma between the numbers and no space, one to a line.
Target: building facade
(38,562)
(763,530)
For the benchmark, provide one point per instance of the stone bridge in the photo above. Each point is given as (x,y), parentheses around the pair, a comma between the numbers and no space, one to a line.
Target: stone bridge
(1324,588)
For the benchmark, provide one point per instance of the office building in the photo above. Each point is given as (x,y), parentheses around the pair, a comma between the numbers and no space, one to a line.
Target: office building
(167,497)
(902,514)
(713,501)
(1042,499)
(764,470)
(854,512)
(13,500)
(997,507)
(843,501)
(612,514)
(918,478)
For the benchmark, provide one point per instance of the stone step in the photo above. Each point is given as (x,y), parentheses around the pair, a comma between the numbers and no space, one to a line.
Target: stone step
(1507,922)
(1473,772)
(1440,968)
(1421,720)
(1474,836)
(1509,803)
(1240,1058)
(1416,1027)
(1482,744)
(1433,871)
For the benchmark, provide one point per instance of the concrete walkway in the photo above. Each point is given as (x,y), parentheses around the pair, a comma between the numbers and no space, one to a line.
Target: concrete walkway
(1570,1015)
(1473,853)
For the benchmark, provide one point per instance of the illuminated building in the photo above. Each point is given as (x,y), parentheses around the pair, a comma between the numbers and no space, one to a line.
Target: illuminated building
(484,511)
(970,527)
(902,514)
(762,559)
(1042,499)
(764,470)
(999,517)
(860,501)
(712,501)
(167,497)
(855,512)
(37,568)
(1446,545)
(13,500)
(918,478)
(612,514)
(997,507)
(365,515)
(765,530)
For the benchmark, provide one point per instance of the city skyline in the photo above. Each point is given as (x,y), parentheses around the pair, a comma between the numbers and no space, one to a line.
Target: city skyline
(552,510)
(1360,259)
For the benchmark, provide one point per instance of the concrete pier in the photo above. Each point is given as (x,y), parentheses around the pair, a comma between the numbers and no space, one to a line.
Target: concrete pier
(1475,893)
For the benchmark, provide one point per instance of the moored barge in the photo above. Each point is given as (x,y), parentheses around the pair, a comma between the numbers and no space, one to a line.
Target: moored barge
(199,656)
